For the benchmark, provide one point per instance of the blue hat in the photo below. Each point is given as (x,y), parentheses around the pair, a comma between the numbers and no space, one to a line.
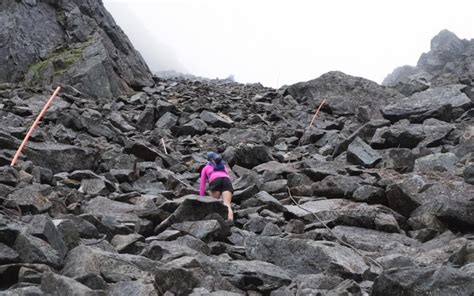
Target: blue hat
(212,155)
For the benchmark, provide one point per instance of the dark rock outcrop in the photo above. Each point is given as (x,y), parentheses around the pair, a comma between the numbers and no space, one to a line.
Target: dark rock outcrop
(75,43)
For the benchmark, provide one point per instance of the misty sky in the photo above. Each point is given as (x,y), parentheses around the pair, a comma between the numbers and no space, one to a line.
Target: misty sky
(282,42)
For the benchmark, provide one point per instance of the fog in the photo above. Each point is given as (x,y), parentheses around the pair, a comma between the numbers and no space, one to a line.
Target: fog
(282,42)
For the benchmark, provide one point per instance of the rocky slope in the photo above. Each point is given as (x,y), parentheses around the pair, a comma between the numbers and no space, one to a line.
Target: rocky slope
(69,42)
(98,206)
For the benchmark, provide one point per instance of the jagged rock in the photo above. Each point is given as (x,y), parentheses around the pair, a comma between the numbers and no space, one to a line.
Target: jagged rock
(400,159)
(376,241)
(443,162)
(296,255)
(194,127)
(344,93)
(142,150)
(294,226)
(84,49)
(469,174)
(125,243)
(167,121)
(336,186)
(423,280)
(207,230)
(57,285)
(43,227)
(194,243)
(146,120)
(255,275)
(312,284)
(401,201)
(405,135)
(103,207)
(342,212)
(8,255)
(34,250)
(215,120)
(84,260)
(93,187)
(121,123)
(250,156)
(275,186)
(256,224)
(84,228)
(369,194)
(136,288)
(271,229)
(427,101)
(61,157)
(23,291)
(193,208)
(33,198)
(8,176)
(361,153)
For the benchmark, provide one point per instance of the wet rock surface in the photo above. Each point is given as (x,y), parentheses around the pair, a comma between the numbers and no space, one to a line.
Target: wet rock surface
(103,200)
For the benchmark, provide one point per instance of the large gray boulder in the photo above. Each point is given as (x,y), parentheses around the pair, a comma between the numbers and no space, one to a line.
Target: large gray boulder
(255,274)
(61,157)
(361,153)
(57,285)
(427,101)
(344,93)
(423,281)
(69,42)
(306,256)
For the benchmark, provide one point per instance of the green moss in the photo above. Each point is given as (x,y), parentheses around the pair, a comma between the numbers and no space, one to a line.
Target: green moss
(61,59)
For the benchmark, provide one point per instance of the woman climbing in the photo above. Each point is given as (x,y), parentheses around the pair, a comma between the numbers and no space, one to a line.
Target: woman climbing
(219,181)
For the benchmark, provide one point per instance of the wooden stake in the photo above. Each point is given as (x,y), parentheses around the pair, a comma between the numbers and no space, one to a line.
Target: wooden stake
(33,126)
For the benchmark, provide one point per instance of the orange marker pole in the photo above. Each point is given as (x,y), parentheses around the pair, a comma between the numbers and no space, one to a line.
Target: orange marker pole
(33,126)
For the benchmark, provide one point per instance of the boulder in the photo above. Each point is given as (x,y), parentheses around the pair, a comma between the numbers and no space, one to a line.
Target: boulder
(344,93)
(426,101)
(443,162)
(423,281)
(255,275)
(215,120)
(469,174)
(297,255)
(57,285)
(207,230)
(361,153)
(8,255)
(61,157)
(136,288)
(401,160)
(35,250)
(32,198)
(194,127)
(84,260)
(404,135)
(194,208)
(250,156)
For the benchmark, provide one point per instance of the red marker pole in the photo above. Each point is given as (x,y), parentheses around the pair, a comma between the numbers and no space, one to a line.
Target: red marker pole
(33,126)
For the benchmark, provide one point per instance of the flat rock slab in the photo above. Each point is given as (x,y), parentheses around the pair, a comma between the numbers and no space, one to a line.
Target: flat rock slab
(426,101)
(361,153)
(266,276)
(84,260)
(61,157)
(123,212)
(306,256)
(423,281)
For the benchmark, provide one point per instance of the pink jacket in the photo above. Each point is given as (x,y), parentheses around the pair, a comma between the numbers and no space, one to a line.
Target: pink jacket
(208,174)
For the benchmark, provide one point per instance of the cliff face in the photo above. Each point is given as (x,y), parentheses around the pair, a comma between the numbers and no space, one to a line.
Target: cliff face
(71,42)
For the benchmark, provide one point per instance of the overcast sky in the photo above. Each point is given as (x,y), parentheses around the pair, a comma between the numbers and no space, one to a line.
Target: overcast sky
(282,42)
